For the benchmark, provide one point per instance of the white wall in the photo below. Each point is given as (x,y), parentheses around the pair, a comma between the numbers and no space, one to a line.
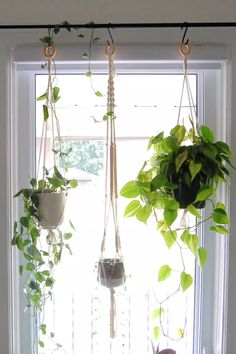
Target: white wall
(49,11)
(54,11)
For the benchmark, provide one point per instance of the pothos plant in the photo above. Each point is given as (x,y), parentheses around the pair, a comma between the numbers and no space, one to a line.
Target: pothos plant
(182,175)
(43,243)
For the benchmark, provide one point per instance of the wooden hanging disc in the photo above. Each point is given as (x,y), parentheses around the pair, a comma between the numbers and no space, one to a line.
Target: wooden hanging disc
(50,51)
(185,49)
(110,49)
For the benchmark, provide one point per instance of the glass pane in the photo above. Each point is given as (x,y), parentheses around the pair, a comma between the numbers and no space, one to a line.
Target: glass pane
(78,317)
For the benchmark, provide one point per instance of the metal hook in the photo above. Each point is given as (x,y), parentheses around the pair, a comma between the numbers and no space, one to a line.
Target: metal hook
(185,32)
(112,40)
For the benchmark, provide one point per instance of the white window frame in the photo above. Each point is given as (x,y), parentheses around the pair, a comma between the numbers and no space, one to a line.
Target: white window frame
(213,81)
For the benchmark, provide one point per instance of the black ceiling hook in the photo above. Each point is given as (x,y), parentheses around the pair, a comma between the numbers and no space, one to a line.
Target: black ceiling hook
(112,40)
(185,32)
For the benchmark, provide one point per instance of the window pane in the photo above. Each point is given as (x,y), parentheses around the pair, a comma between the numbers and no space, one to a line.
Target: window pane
(79,314)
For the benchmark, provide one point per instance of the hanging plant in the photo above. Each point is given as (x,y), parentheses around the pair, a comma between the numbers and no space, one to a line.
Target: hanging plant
(181,176)
(37,234)
(111,271)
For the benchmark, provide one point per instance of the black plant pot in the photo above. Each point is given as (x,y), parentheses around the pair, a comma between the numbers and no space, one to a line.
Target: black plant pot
(111,272)
(186,195)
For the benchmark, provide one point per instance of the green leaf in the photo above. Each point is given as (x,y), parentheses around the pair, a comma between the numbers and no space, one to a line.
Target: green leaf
(24,221)
(209,151)
(45,113)
(39,276)
(43,328)
(185,281)
(28,257)
(56,182)
(21,269)
(34,233)
(156,332)
(191,240)
(193,210)
(194,168)
(30,266)
(130,190)
(56,29)
(41,344)
(220,229)
(35,298)
(180,159)
(33,182)
(170,142)
(67,235)
(46,40)
(157,313)
(206,133)
(34,252)
(73,183)
(157,182)
(171,212)
(56,91)
(42,97)
(220,216)
(41,184)
(33,285)
(88,73)
(99,94)
(132,208)
(179,131)
(143,213)
(202,256)
(72,226)
(164,272)
(169,237)
(224,148)
(204,193)
(170,216)
(155,139)
(49,282)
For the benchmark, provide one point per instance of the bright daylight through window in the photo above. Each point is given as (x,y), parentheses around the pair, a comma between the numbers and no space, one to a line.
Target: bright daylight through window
(77,318)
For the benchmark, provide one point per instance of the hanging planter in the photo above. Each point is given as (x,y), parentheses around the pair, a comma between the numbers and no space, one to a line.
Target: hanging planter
(111,272)
(51,209)
(110,266)
(181,176)
(37,234)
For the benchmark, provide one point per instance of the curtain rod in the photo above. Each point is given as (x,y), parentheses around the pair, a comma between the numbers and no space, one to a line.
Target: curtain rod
(124,25)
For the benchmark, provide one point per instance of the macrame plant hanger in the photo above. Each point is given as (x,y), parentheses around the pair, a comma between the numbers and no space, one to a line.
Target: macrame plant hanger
(185,51)
(50,133)
(49,113)
(111,272)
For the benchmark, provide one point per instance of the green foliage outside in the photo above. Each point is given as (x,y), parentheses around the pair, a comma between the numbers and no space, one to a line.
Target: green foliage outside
(84,155)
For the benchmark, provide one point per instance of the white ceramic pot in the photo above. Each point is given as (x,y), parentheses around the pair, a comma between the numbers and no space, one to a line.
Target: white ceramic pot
(51,209)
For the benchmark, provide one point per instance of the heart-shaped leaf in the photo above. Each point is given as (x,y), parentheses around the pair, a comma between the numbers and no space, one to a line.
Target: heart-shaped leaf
(185,281)
(132,208)
(202,256)
(164,272)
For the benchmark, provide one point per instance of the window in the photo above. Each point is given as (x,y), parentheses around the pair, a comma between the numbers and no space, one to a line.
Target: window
(131,142)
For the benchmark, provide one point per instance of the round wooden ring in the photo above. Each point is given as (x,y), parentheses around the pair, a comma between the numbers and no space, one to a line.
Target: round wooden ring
(50,51)
(185,49)
(110,49)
